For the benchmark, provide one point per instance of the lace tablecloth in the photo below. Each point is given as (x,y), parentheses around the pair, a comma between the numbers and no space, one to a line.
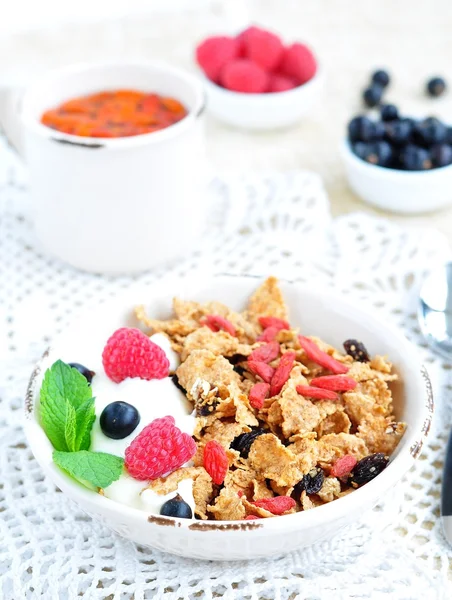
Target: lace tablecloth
(276,224)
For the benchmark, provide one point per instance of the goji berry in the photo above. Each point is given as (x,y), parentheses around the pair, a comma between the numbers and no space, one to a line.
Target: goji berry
(217,323)
(258,393)
(251,518)
(215,461)
(277,505)
(282,373)
(343,466)
(266,353)
(321,358)
(273,322)
(268,335)
(316,393)
(240,493)
(335,383)
(260,368)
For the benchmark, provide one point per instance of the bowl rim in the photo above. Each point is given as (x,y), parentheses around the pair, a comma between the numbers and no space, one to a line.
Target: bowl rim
(349,156)
(152,137)
(265,96)
(365,496)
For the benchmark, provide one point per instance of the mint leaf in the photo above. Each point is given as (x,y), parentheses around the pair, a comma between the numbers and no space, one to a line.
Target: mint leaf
(70,427)
(85,417)
(97,468)
(63,392)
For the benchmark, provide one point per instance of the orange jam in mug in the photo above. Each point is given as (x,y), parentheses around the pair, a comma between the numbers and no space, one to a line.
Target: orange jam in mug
(113,114)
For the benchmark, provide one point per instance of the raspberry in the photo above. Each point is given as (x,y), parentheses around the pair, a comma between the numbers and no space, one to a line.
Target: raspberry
(273,322)
(260,368)
(213,54)
(263,48)
(258,393)
(321,358)
(130,353)
(299,63)
(265,353)
(217,323)
(316,393)
(282,373)
(242,75)
(268,335)
(280,83)
(343,466)
(215,461)
(159,449)
(277,505)
(242,40)
(335,383)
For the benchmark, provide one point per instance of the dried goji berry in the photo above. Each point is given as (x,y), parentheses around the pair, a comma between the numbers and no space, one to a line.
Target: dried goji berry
(316,393)
(251,518)
(258,393)
(266,353)
(260,368)
(273,322)
(217,323)
(343,466)
(268,335)
(215,461)
(321,358)
(277,505)
(240,493)
(282,373)
(335,383)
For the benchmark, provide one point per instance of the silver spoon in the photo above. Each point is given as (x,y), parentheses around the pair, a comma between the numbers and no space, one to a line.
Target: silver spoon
(435,320)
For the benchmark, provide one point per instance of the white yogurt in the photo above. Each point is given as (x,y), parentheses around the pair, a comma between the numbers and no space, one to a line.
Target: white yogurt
(153,399)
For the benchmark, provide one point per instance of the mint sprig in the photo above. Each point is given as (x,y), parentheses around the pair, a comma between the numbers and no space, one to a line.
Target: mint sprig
(96,468)
(66,408)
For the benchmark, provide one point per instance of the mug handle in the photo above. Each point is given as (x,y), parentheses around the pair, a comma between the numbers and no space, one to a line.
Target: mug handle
(10,122)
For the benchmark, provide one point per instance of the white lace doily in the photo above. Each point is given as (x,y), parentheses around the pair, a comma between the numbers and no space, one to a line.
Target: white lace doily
(277,224)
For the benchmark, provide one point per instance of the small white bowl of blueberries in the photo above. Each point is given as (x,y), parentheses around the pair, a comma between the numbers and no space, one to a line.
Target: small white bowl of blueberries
(395,162)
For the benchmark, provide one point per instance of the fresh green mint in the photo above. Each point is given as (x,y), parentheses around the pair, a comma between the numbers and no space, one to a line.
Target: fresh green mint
(96,468)
(66,408)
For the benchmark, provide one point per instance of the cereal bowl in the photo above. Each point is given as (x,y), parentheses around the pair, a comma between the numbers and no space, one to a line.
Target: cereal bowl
(261,112)
(324,314)
(404,192)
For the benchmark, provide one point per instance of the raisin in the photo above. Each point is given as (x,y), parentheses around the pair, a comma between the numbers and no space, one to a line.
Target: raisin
(239,370)
(203,410)
(175,380)
(357,350)
(243,442)
(311,483)
(368,468)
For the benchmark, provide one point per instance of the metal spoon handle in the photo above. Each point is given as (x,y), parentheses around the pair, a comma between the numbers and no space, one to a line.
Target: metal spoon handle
(446,492)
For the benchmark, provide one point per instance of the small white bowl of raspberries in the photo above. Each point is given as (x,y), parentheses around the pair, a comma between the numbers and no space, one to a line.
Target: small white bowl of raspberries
(255,81)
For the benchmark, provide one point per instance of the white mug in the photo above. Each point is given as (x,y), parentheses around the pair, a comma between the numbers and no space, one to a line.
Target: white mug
(114,205)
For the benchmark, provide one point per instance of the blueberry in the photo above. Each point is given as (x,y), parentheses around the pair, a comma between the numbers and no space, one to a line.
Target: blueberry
(176,507)
(381,78)
(389,112)
(441,155)
(87,374)
(436,86)
(372,95)
(360,129)
(118,420)
(378,153)
(360,149)
(414,158)
(379,131)
(430,131)
(399,132)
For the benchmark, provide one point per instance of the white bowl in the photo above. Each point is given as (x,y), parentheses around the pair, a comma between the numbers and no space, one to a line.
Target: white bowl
(260,112)
(332,318)
(406,192)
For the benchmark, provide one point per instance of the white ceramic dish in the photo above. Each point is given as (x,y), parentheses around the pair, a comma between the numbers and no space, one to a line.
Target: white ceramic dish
(114,205)
(332,318)
(261,112)
(405,192)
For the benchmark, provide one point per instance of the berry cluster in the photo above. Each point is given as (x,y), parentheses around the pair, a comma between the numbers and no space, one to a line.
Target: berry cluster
(398,142)
(255,62)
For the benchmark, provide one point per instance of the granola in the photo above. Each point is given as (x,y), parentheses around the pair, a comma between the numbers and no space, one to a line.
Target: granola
(284,442)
